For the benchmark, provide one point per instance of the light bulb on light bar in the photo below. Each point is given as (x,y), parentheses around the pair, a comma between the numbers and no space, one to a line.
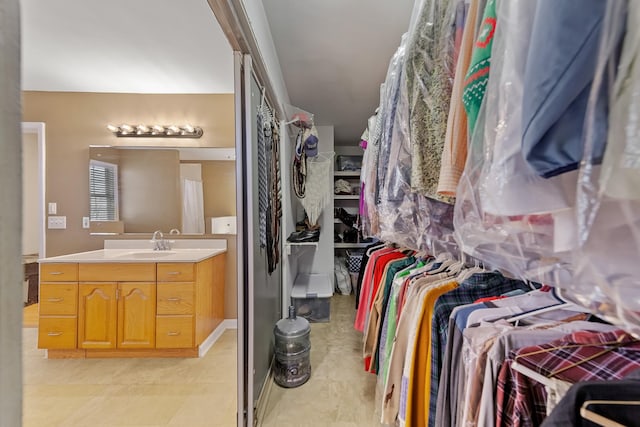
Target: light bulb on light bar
(126,129)
(157,131)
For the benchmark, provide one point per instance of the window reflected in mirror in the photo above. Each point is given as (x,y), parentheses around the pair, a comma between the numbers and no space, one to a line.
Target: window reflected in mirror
(103,191)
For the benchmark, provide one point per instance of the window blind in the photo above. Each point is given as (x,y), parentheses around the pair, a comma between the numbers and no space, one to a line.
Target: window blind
(103,189)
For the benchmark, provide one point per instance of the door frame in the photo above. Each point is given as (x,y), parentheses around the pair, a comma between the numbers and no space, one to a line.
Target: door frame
(38,129)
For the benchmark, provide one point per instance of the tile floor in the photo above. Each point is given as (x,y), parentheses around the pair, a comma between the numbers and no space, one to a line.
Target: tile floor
(130,392)
(339,393)
(200,392)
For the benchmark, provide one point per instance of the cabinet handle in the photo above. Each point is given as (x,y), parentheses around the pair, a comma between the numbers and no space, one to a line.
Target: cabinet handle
(56,273)
(54,334)
(55,299)
(174,299)
(173,273)
(173,334)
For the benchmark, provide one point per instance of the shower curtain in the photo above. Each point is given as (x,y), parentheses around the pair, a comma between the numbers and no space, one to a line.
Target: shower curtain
(192,207)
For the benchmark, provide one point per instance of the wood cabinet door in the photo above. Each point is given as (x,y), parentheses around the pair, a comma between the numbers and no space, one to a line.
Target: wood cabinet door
(97,315)
(137,315)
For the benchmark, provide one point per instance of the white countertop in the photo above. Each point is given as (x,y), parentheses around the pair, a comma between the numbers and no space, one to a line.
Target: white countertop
(128,251)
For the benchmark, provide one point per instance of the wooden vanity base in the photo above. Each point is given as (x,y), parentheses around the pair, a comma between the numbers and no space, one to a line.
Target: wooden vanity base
(111,354)
(132,310)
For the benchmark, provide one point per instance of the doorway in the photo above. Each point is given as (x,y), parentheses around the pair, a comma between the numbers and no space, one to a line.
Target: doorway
(171,88)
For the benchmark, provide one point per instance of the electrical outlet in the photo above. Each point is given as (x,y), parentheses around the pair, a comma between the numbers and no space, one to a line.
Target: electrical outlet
(85,222)
(53,208)
(57,222)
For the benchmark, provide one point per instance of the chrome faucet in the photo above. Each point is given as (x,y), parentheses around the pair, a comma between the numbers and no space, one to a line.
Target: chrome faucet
(161,244)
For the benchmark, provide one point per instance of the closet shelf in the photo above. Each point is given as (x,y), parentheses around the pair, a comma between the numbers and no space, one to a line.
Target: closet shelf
(351,245)
(289,245)
(346,173)
(347,197)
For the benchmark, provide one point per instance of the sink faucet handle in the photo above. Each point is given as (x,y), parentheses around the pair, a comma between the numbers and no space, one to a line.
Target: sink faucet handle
(158,244)
(174,231)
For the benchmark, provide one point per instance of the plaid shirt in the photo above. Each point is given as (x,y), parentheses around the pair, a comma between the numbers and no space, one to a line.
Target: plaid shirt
(479,285)
(520,401)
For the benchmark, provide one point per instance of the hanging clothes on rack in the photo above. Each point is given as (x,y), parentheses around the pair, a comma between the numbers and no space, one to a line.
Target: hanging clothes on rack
(581,356)
(615,401)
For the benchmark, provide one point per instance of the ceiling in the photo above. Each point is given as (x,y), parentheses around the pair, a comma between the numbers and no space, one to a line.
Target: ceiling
(333,53)
(126,46)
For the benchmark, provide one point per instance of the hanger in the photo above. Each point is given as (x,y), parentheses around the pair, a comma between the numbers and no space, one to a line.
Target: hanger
(613,346)
(592,416)
(375,248)
(542,310)
(564,304)
(445,265)
(265,111)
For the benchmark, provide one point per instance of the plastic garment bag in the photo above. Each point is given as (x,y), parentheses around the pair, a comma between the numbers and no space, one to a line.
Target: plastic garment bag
(606,266)
(404,217)
(428,75)
(505,214)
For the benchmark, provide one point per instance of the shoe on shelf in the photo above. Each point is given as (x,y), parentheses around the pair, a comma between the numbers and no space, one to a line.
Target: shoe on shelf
(304,236)
(346,218)
(350,236)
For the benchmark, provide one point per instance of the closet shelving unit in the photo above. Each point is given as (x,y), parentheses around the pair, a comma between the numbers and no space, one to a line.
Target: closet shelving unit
(350,202)
(304,260)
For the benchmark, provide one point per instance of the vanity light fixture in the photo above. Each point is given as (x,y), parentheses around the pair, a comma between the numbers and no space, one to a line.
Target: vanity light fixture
(156,131)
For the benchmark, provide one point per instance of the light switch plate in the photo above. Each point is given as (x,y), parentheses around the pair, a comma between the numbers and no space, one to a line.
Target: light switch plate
(53,208)
(57,222)
(85,222)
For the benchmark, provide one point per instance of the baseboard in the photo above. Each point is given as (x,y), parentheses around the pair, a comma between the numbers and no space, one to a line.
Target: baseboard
(215,335)
(263,399)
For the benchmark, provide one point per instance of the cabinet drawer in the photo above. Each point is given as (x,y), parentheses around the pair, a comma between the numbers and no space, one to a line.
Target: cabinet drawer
(174,332)
(176,272)
(57,332)
(117,272)
(58,299)
(175,298)
(59,272)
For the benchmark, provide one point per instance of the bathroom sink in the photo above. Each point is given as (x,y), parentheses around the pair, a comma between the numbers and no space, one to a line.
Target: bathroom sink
(147,254)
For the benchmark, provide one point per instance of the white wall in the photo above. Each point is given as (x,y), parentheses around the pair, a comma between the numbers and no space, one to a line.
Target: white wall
(321,260)
(304,259)
(30,195)
(262,32)
(289,214)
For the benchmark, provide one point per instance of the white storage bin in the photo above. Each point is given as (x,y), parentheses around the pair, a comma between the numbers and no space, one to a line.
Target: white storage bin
(311,297)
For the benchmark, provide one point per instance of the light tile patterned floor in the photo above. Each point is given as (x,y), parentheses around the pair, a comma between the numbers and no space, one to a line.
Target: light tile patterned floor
(200,392)
(130,392)
(339,393)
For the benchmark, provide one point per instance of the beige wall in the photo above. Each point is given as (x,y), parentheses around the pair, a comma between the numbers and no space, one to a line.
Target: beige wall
(76,120)
(150,196)
(219,186)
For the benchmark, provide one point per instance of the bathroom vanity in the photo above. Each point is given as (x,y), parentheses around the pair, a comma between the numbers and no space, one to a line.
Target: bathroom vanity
(129,300)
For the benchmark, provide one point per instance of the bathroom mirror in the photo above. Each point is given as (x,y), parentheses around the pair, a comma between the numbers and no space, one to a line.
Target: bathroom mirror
(143,189)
